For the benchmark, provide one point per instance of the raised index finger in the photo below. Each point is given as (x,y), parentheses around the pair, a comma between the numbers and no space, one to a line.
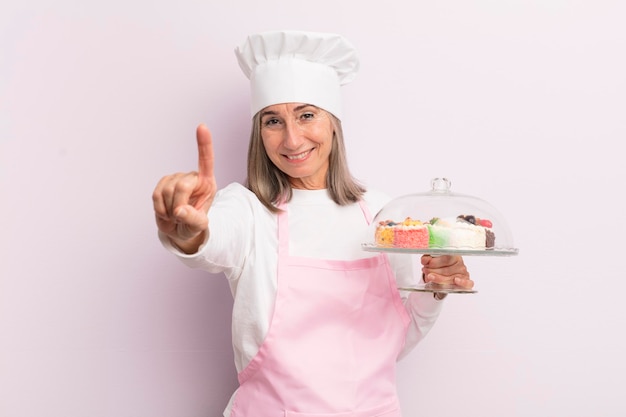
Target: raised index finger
(205,152)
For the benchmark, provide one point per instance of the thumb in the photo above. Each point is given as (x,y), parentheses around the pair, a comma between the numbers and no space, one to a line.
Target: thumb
(195,220)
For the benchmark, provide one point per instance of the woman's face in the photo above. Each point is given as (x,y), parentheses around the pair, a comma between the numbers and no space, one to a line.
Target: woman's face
(298,139)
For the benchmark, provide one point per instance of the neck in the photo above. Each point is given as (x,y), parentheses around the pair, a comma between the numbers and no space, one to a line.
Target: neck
(307,184)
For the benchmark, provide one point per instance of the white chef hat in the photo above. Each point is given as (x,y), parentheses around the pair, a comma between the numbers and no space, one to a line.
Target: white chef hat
(297,67)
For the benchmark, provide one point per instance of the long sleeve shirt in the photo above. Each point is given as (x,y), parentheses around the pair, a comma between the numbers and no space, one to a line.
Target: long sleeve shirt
(243,244)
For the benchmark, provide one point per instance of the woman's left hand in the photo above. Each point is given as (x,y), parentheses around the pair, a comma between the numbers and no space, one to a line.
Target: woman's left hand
(446,270)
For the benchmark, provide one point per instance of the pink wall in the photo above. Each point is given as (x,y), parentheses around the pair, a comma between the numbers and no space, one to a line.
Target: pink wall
(520,103)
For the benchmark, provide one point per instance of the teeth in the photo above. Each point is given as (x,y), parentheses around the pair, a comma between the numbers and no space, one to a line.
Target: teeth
(299,156)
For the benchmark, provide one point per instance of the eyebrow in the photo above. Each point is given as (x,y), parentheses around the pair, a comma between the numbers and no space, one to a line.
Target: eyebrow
(300,107)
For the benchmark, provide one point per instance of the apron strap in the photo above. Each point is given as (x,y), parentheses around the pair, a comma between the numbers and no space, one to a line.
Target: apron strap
(283,230)
(366,211)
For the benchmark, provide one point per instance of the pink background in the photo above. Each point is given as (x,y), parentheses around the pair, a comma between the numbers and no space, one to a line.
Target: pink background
(518,102)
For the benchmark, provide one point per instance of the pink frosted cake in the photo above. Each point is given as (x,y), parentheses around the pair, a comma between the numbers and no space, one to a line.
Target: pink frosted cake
(462,232)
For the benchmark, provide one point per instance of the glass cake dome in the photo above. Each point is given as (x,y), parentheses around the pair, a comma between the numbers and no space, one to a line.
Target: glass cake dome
(440,222)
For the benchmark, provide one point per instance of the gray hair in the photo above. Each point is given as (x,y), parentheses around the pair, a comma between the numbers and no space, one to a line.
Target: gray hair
(271,185)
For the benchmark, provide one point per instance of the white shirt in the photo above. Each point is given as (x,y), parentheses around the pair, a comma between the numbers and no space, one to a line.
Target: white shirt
(243,244)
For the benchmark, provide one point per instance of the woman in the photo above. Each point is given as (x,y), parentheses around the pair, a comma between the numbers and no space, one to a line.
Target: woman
(318,324)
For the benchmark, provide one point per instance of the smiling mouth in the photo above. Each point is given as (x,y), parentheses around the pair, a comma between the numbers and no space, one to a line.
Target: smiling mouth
(299,156)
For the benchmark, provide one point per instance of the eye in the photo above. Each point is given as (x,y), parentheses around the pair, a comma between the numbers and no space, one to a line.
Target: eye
(306,116)
(271,121)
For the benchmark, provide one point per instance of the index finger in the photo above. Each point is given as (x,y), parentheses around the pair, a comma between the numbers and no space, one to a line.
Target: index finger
(205,151)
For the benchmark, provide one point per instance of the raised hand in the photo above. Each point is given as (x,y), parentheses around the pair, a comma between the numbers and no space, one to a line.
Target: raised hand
(182,200)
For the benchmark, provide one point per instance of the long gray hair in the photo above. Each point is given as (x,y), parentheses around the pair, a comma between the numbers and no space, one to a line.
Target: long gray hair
(271,185)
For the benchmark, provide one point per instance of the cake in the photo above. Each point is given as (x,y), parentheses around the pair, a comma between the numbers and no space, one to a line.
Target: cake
(486,225)
(407,234)
(462,232)
(456,233)
(384,233)
(411,234)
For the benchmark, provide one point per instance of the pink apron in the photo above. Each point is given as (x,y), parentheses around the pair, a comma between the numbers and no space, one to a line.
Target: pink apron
(335,334)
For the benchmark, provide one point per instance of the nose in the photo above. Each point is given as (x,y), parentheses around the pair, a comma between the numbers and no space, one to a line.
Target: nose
(292,135)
